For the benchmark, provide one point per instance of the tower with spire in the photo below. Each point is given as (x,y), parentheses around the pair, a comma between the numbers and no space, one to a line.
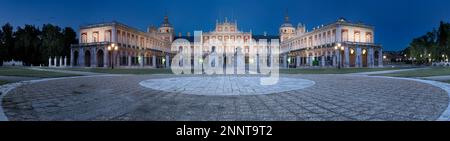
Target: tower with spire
(166,29)
(287,30)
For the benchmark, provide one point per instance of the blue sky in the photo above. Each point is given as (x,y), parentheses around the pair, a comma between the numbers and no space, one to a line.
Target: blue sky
(396,21)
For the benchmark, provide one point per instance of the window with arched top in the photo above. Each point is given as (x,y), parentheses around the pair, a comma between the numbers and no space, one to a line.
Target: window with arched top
(357,36)
(344,35)
(83,37)
(95,36)
(108,36)
(369,37)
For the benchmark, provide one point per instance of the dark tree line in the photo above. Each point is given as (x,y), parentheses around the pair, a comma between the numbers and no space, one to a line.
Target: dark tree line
(434,45)
(34,45)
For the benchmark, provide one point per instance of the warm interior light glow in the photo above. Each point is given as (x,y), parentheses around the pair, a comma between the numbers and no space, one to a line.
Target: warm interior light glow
(352,51)
(364,52)
(342,48)
(109,47)
(335,47)
(384,57)
(116,48)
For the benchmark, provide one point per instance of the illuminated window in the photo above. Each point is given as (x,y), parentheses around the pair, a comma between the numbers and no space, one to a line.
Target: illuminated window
(357,36)
(95,36)
(84,38)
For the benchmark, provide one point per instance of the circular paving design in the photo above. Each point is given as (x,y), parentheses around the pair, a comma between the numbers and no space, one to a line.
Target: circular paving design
(225,85)
(332,97)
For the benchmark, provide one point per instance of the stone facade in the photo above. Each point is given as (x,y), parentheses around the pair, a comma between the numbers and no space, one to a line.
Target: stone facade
(339,44)
(135,48)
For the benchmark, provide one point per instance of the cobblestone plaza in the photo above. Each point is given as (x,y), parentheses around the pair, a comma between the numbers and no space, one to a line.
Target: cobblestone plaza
(319,97)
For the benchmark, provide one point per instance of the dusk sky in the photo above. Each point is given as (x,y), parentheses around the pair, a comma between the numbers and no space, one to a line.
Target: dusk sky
(396,22)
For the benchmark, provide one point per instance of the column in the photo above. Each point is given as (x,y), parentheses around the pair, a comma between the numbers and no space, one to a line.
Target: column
(308,60)
(347,58)
(141,62)
(145,59)
(323,60)
(380,57)
(358,57)
(129,60)
(339,34)
(94,58)
(81,57)
(370,59)
(334,58)
(65,61)
(114,34)
(54,62)
(297,60)
(106,59)
(72,63)
(167,61)
(60,62)
(285,65)
(49,61)
(154,61)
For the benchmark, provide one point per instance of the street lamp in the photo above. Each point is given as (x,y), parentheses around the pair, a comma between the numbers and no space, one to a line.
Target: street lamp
(338,48)
(111,49)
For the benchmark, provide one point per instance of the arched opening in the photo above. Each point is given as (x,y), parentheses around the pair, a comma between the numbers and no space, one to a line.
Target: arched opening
(100,58)
(375,56)
(352,57)
(75,58)
(87,58)
(364,58)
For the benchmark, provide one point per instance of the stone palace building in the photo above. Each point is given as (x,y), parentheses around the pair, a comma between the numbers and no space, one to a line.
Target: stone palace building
(339,44)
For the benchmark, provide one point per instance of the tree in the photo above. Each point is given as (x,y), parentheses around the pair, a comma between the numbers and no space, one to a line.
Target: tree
(28,45)
(433,45)
(69,37)
(7,39)
(52,41)
(3,51)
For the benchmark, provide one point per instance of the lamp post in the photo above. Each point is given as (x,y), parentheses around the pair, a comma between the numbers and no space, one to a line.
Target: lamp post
(338,49)
(111,49)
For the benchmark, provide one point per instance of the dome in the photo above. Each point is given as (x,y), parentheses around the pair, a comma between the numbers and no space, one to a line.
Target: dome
(166,22)
(286,22)
(287,25)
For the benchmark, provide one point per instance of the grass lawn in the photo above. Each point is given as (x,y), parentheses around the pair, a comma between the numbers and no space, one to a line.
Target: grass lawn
(435,71)
(333,70)
(123,70)
(285,71)
(26,72)
(3,82)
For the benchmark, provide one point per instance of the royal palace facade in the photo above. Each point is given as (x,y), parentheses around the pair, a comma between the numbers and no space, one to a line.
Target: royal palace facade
(340,44)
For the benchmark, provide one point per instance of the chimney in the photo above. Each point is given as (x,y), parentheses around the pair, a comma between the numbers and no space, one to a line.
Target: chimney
(179,34)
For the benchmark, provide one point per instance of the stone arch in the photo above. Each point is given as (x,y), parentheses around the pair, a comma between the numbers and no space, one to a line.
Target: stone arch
(75,57)
(375,57)
(87,58)
(100,58)
(352,57)
(364,57)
